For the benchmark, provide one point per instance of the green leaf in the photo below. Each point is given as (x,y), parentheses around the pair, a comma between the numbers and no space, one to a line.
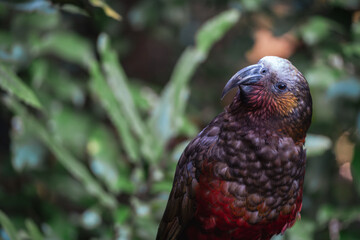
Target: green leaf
(251,5)
(349,235)
(317,144)
(65,87)
(101,89)
(277,237)
(73,165)
(107,172)
(167,117)
(73,9)
(344,214)
(72,128)
(118,82)
(358,126)
(27,152)
(188,128)
(317,29)
(8,226)
(355,167)
(33,230)
(123,231)
(16,55)
(68,187)
(102,144)
(143,96)
(35,5)
(39,70)
(146,227)
(12,84)
(321,76)
(59,226)
(107,9)
(106,162)
(303,229)
(66,45)
(351,49)
(348,89)
(122,213)
(214,29)
(34,22)
(325,214)
(163,186)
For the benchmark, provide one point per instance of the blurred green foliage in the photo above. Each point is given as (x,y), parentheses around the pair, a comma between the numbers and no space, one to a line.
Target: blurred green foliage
(101,97)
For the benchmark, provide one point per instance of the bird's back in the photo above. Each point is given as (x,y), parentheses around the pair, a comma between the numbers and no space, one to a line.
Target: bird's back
(237,181)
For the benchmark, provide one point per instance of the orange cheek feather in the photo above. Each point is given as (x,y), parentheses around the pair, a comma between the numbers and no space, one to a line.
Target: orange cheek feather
(285,103)
(269,103)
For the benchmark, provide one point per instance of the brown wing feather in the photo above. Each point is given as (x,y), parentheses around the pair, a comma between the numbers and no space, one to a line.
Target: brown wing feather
(181,206)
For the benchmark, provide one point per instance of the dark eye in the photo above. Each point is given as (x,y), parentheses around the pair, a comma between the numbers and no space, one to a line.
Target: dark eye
(281,86)
(263,71)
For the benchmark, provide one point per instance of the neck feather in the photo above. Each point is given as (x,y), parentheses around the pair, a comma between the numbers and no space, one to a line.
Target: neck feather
(293,125)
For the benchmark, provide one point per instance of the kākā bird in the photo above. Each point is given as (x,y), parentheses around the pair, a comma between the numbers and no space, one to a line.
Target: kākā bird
(242,176)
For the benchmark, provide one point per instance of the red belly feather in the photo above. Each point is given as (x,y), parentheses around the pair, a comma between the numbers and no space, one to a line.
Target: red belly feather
(217,218)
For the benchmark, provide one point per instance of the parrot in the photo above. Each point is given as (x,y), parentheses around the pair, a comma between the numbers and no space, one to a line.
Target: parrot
(242,176)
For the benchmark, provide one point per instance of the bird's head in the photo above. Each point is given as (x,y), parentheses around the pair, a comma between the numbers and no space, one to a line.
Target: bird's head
(270,90)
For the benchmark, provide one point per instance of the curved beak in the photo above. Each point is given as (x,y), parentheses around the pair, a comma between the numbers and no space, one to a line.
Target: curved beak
(247,76)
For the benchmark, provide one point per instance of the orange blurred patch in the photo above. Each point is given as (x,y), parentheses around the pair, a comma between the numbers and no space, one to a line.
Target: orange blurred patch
(344,152)
(356,17)
(344,149)
(281,9)
(266,44)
